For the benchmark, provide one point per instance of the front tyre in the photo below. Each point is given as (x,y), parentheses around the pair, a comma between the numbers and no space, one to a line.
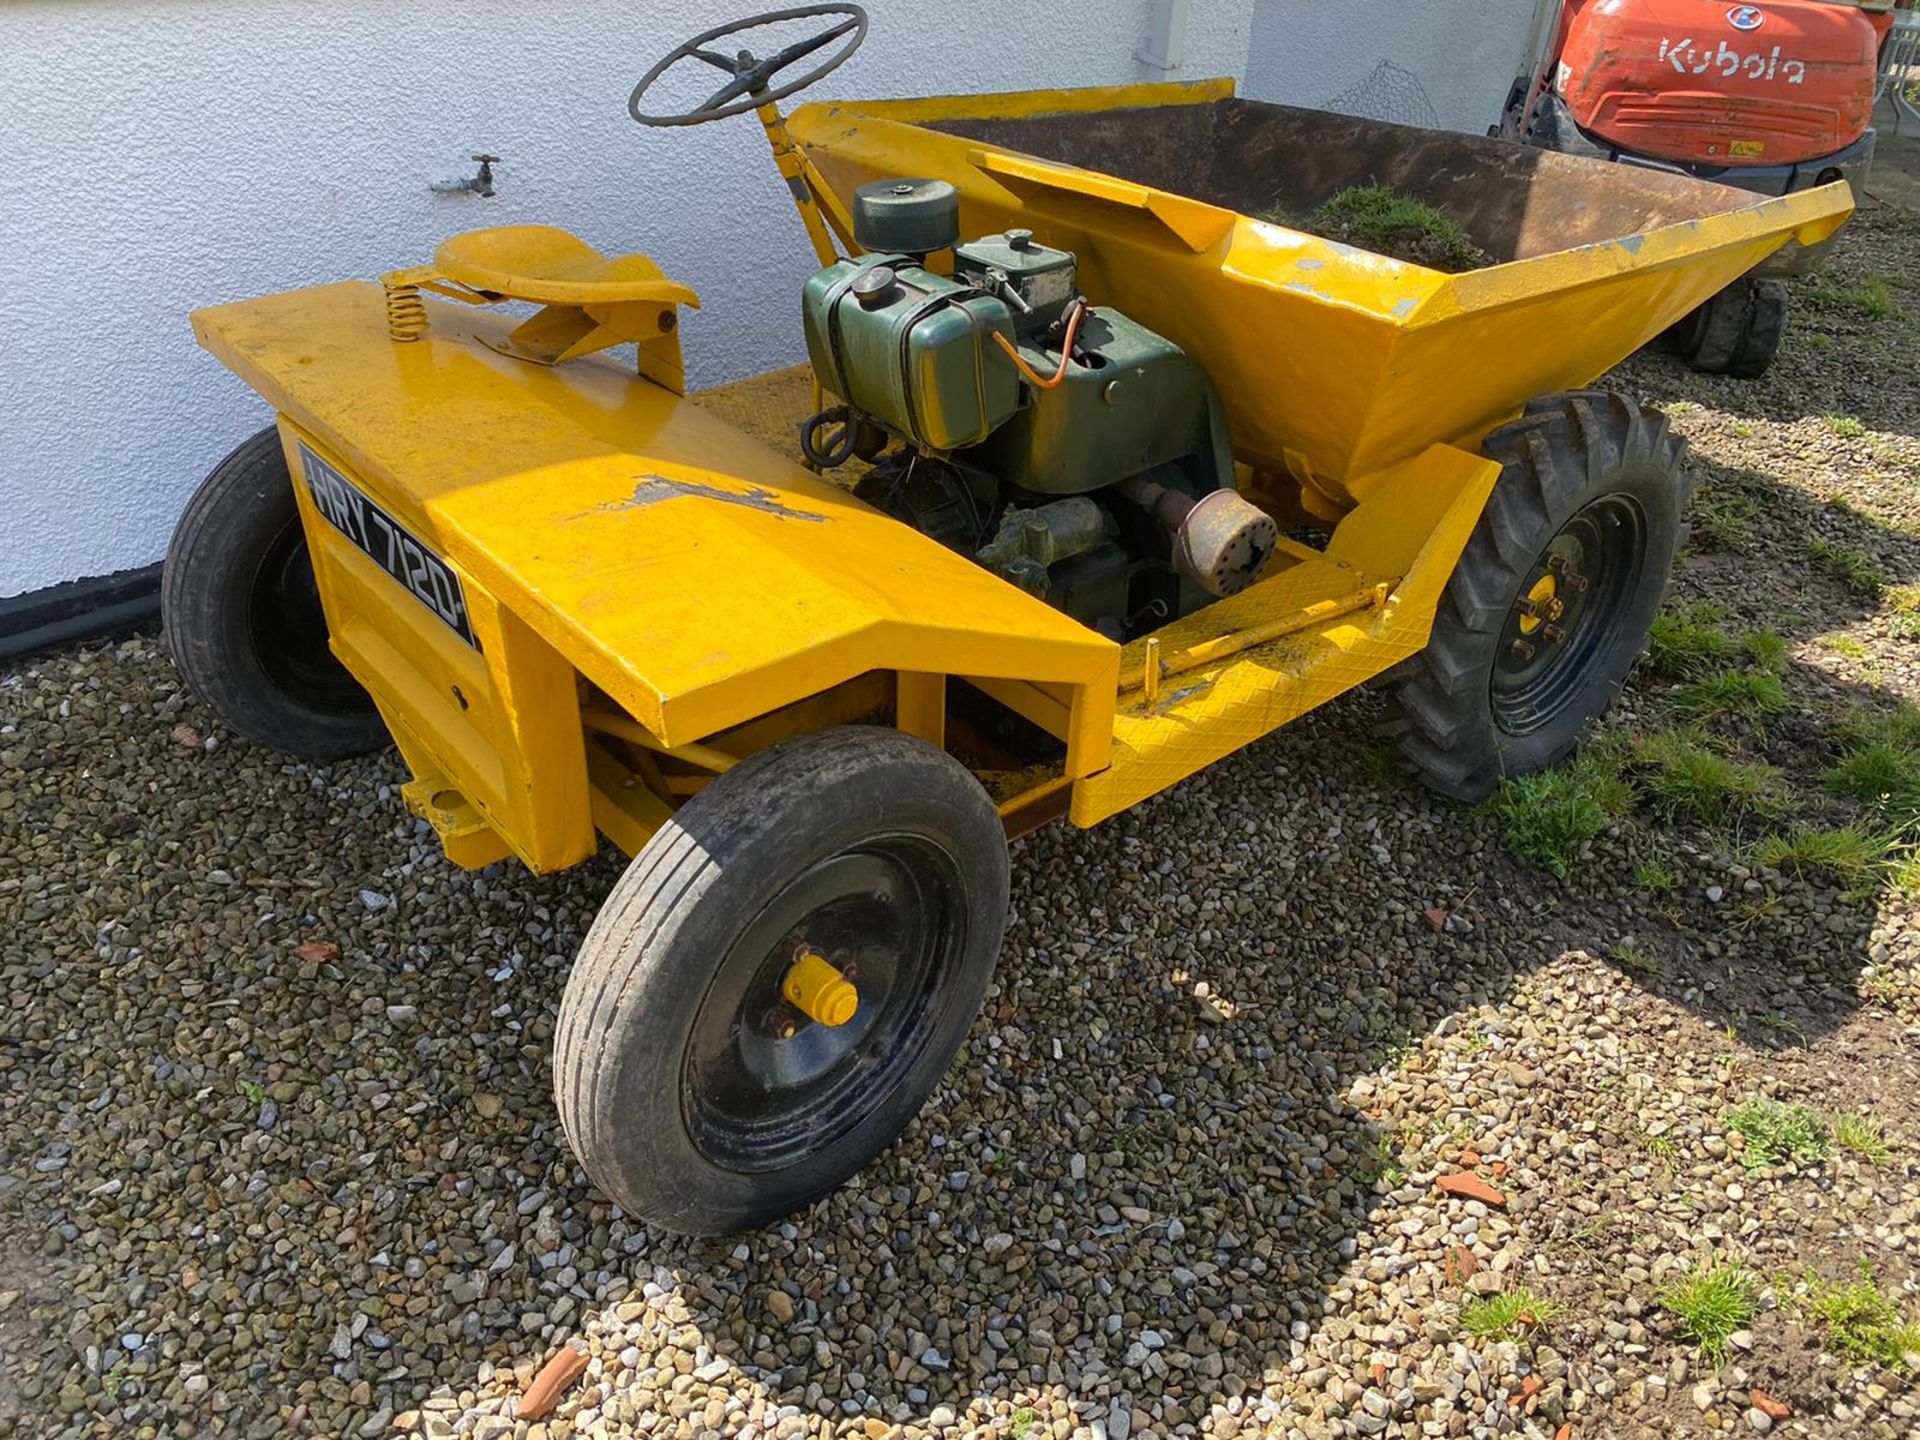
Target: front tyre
(1553,596)
(242,615)
(694,1087)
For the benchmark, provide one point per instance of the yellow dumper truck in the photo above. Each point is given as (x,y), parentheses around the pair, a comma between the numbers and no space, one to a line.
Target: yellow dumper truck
(1102,469)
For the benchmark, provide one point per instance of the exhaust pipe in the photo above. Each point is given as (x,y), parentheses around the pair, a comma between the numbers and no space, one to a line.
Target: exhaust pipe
(1221,541)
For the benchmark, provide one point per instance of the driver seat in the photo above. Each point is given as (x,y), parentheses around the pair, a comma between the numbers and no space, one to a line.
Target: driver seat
(590,301)
(551,266)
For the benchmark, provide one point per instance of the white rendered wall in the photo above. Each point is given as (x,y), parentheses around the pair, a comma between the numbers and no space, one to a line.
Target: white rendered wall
(1455,57)
(159,155)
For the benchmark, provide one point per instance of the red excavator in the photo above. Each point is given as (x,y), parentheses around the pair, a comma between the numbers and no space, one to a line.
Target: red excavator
(1771,98)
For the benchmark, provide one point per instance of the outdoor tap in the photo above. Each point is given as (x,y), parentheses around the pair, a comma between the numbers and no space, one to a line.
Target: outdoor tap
(480,184)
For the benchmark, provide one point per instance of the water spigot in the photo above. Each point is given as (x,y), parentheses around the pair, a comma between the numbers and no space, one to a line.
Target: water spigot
(480,184)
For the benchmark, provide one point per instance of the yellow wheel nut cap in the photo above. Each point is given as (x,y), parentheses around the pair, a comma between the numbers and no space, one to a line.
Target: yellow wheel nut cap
(819,991)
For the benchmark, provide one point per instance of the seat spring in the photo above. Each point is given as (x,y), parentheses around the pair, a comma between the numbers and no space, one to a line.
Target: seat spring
(406,312)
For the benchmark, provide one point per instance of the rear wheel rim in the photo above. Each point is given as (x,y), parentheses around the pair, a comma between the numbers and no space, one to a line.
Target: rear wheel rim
(1573,607)
(288,628)
(889,914)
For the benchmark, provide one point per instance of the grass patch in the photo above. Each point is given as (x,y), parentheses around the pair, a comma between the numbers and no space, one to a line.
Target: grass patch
(1776,1022)
(1723,517)
(1685,642)
(1846,646)
(1731,695)
(1848,564)
(1382,1162)
(1635,959)
(1851,853)
(1547,817)
(1883,985)
(1776,1131)
(1504,1314)
(1897,726)
(1655,876)
(1904,602)
(1381,764)
(1845,426)
(1905,874)
(1765,651)
(1872,296)
(1663,1149)
(1752,914)
(1878,773)
(1136,1141)
(1024,1419)
(1382,219)
(1590,1238)
(1860,1321)
(1863,1135)
(1683,777)
(1711,1303)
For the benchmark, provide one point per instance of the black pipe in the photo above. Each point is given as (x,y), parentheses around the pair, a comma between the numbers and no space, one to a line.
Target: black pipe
(76,610)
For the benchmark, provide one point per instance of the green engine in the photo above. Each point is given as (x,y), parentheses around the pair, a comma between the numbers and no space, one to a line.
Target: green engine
(1060,444)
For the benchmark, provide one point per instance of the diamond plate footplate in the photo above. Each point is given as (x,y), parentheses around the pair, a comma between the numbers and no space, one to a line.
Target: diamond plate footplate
(1207,713)
(1415,528)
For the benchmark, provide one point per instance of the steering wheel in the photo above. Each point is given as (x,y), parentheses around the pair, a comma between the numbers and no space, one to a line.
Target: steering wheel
(748,86)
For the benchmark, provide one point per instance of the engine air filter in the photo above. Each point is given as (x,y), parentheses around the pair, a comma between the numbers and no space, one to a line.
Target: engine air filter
(906,217)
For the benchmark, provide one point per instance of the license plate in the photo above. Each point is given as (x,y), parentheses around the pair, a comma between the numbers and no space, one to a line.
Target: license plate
(388,543)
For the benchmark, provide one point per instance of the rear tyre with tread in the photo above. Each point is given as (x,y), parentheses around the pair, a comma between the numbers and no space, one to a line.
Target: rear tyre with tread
(1736,333)
(691,1091)
(1766,324)
(242,615)
(1552,598)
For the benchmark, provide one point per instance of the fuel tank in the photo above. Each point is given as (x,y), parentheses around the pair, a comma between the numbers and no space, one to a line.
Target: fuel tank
(1700,82)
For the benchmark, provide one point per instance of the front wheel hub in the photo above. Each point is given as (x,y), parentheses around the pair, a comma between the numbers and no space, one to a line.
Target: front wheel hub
(790,1049)
(819,991)
(1568,613)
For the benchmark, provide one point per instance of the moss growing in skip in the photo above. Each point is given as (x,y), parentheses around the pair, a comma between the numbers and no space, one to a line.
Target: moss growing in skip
(1382,219)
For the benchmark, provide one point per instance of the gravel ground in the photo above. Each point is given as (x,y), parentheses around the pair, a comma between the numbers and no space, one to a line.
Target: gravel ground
(1294,1082)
